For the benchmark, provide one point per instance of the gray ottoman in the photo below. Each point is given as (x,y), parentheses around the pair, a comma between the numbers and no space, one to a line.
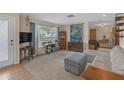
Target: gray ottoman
(75,63)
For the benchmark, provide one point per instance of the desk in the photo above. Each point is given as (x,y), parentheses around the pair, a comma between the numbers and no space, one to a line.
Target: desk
(50,47)
(29,54)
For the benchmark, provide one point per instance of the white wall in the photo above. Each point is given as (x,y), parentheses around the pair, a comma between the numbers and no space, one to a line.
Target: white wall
(86,36)
(103,30)
(43,23)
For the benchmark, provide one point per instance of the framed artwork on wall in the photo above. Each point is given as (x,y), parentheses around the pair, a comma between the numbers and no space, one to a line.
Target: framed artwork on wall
(76,33)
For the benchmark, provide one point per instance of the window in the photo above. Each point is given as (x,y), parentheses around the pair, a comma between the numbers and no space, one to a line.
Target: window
(47,34)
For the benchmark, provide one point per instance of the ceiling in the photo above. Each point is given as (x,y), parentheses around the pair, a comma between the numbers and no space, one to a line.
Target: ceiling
(61,18)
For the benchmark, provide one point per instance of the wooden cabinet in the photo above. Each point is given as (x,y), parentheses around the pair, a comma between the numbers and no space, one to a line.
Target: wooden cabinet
(93,44)
(62,40)
(104,44)
(73,46)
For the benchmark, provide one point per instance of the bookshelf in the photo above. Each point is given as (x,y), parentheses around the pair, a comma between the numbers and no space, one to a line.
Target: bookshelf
(119,22)
(62,40)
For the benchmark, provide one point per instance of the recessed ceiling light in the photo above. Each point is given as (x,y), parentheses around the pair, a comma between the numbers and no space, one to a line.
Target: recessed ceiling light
(104,15)
(103,24)
(70,16)
(100,24)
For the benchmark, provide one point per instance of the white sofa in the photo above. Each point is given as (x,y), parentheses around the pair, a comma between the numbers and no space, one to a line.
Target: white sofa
(110,59)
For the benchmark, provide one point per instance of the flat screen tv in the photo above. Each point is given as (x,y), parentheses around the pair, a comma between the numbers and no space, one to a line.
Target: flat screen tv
(25,37)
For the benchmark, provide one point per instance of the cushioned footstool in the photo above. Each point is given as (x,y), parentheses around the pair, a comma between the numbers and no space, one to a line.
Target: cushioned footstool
(75,63)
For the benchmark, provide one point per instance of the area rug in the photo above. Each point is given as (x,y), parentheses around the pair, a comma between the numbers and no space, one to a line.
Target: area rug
(50,67)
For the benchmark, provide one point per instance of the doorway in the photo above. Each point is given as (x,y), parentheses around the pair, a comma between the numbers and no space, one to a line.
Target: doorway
(6,40)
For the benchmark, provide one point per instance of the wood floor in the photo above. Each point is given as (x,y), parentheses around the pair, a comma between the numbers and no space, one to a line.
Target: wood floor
(18,72)
(15,72)
(95,73)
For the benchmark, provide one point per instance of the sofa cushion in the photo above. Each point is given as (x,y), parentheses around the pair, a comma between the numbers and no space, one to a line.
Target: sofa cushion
(117,59)
(114,49)
(115,52)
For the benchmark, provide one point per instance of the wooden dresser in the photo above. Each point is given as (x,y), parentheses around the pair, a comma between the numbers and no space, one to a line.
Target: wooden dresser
(73,46)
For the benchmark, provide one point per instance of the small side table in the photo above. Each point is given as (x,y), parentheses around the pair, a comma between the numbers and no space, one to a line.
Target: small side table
(26,55)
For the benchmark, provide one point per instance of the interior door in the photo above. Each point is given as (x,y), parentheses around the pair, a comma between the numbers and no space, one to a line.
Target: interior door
(6,40)
(92,34)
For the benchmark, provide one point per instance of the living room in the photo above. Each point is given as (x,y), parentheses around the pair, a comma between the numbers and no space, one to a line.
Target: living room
(61,46)
(45,44)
